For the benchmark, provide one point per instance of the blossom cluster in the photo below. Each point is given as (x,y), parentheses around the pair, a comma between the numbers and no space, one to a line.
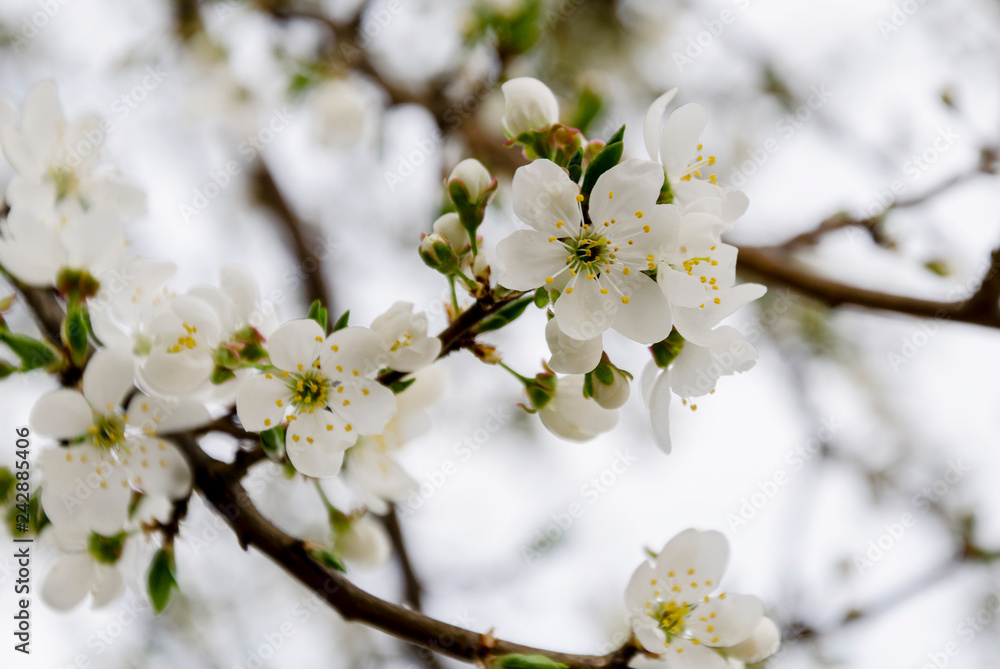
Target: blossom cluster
(633,246)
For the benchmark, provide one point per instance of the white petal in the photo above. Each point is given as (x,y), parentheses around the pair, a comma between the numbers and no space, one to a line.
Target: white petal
(763,643)
(295,346)
(41,115)
(681,288)
(526,258)
(697,369)
(572,356)
(544,195)
(571,416)
(354,349)
(364,405)
(658,402)
(629,187)
(697,561)
(109,377)
(163,416)
(585,312)
(416,356)
(108,584)
(69,581)
(61,414)
(261,402)
(736,617)
(680,137)
(366,543)
(158,468)
(175,374)
(647,318)
(654,121)
(316,442)
(684,654)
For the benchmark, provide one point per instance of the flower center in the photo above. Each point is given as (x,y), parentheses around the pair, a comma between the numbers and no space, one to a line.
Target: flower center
(672,617)
(587,253)
(185,341)
(402,342)
(64,180)
(309,390)
(107,431)
(694,168)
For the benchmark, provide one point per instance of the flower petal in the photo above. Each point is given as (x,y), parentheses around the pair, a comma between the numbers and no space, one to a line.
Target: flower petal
(726,620)
(683,653)
(544,195)
(61,414)
(158,468)
(526,258)
(572,356)
(261,402)
(647,318)
(109,377)
(363,405)
(763,643)
(653,122)
(680,137)
(658,401)
(585,312)
(315,443)
(295,346)
(174,374)
(108,584)
(359,352)
(69,581)
(162,416)
(631,186)
(694,562)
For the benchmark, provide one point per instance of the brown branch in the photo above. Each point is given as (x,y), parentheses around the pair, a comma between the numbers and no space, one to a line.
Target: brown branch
(310,263)
(781,268)
(225,493)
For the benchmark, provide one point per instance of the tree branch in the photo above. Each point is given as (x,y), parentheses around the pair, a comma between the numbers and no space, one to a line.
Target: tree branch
(227,495)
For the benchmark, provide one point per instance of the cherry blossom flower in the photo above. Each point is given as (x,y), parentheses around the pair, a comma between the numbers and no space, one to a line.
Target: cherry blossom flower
(364,542)
(572,416)
(88,564)
(598,266)
(326,387)
(528,105)
(110,452)
(405,333)
(674,612)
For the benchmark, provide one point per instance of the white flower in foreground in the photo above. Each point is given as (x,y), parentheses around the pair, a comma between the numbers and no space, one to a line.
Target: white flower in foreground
(37,248)
(528,105)
(698,277)
(87,564)
(405,333)
(572,416)
(370,466)
(111,452)
(326,386)
(673,611)
(125,303)
(693,373)
(763,643)
(55,160)
(597,267)
(365,542)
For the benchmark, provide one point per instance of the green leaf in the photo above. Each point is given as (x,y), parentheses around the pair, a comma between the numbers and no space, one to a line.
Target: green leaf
(106,549)
(7,481)
(342,321)
(618,136)
(162,580)
(317,312)
(505,315)
(33,353)
(221,375)
(541,297)
(328,559)
(273,442)
(525,662)
(665,351)
(76,334)
(602,162)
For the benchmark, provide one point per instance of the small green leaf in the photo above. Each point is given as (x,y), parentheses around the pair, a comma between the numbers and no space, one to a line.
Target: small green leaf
(604,161)
(33,353)
(221,375)
(106,549)
(541,297)
(162,580)
(505,315)
(7,482)
(76,335)
(618,136)
(226,357)
(342,321)
(665,351)
(328,559)
(400,386)
(605,371)
(525,662)
(317,312)
(273,442)
(575,166)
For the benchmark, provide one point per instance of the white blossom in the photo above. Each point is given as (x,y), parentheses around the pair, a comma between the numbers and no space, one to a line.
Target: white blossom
(572,416)
(528,105)
(674,612)
(597,267)
(365,543)
(326,387)
(405,333)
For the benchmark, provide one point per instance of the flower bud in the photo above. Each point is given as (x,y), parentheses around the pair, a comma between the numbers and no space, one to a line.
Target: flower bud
(451,229)
(437,253)
(529,105)
(615,395)
(473,176)
(364,542)
(763,643)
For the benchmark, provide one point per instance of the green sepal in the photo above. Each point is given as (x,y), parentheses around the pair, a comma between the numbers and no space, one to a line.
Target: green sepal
(273,442)
(401,385)
(575,166)
(76,334)
(665,351)
(342,321)
(541,297)
(162,579)
(318,313)
(604,161)
(7,483)
(226,357)
(222,374)
(34,354)
(327,559)
(525,662)
(106,549)
(505,315)
(541,389)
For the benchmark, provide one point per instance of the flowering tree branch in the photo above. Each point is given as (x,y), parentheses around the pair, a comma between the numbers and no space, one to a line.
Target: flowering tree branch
(218,485)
